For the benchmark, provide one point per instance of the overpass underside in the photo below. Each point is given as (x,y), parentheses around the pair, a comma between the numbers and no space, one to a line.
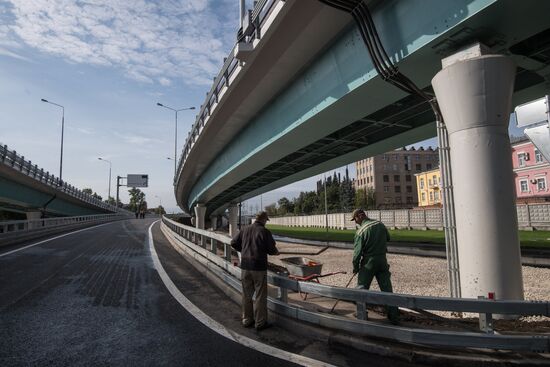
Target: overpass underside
(308,99)
(404,116)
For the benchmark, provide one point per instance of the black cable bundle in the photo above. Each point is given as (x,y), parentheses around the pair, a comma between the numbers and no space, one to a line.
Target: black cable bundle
(382,62)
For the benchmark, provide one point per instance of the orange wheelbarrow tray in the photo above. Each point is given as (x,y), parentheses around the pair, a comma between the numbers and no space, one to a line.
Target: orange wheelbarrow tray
(307,270)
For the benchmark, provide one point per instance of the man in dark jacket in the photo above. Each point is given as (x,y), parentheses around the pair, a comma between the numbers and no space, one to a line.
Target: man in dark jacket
(255,242)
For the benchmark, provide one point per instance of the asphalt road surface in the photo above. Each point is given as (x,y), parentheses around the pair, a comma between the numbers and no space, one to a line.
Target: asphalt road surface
(94,298)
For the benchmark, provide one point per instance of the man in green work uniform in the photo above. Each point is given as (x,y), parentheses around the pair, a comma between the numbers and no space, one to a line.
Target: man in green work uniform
(369,256)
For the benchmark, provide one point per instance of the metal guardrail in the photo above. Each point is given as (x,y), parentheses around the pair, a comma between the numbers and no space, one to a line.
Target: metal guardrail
(11,159)
(194,242)
(257,18)
(35,225)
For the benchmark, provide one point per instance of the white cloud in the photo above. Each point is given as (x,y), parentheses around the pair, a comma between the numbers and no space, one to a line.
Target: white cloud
(149,41)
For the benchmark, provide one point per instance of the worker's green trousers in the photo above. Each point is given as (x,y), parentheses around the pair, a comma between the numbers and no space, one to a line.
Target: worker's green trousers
(377,266)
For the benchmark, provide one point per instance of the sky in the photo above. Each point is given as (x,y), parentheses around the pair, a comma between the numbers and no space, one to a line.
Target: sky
(109,62)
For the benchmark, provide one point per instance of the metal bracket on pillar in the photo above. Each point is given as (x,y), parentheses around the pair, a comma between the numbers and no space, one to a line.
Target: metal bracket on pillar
(486,321)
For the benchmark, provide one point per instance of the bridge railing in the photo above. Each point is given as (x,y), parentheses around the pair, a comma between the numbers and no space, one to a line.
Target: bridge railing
(202,246)
(11,159)
(256,19)
(21,226)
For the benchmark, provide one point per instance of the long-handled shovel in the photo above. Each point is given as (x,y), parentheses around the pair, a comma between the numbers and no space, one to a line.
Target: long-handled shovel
(347,285)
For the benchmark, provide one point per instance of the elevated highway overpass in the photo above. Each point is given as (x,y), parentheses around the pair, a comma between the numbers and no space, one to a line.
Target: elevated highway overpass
(25,188)
(299,94)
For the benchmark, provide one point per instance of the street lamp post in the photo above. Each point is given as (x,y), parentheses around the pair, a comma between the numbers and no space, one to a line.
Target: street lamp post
(62,131)
(110,166)
(160,204)
(176,131)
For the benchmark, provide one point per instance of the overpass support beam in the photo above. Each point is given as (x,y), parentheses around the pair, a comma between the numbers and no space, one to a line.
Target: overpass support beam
(475,95)
(34,216)
(214,222)
(233,220)
(200,212)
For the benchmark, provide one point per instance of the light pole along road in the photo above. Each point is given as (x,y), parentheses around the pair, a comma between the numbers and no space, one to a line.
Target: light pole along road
(110,166)
(176,132)
(62,131)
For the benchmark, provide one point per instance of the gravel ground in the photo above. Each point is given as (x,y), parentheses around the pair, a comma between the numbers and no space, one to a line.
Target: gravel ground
(405,273)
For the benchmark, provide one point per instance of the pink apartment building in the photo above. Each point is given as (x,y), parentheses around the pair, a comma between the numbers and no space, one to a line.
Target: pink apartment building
(531,172)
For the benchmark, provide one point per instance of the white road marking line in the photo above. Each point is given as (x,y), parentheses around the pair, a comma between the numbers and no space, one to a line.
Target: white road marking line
(219,328)
(53,238)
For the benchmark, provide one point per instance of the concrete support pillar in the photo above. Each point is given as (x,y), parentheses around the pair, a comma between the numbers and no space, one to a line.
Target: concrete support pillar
(214,222)
(233,220)
(34,216)
(475,94)
(200,211)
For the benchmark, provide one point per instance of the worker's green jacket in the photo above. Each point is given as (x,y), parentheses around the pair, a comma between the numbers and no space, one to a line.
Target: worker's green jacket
(370,240)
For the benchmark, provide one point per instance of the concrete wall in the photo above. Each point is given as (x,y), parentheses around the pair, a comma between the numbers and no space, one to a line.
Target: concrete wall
(531,216)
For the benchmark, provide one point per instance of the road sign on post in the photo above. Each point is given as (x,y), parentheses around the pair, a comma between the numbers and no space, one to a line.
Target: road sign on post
(137,180)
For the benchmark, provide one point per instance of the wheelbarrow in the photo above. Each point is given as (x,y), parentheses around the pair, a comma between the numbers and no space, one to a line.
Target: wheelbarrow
(306,270)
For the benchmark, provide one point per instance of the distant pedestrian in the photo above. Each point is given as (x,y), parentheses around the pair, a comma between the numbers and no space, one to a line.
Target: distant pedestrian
(137,214)
(255,242)
(369,256)
(142,213)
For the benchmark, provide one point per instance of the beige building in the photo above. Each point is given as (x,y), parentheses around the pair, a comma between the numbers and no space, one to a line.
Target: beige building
(429,188)
(391,175)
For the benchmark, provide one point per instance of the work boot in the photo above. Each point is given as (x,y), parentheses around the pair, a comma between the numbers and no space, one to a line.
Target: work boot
(263,326)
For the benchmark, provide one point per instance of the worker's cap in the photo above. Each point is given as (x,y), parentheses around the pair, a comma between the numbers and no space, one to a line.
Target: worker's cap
(262,216)
(355,213)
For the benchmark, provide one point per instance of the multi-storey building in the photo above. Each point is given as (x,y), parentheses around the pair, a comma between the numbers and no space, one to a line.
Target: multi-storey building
(429,187)
(531,171)
(391,175)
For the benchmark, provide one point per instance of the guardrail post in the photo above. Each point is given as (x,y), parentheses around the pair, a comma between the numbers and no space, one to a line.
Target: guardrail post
(486,321)
(362,313)
(213,246)
(227,251)
(282,294)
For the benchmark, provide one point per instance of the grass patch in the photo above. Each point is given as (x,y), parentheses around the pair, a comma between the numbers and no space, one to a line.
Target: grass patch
(527,238)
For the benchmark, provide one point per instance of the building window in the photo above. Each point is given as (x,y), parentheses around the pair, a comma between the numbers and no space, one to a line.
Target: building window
(434,179)
(398,200)
(419,167)
(387,200)
(409,189)
(396,178)
(418,157)
(541,184)
(386,189)
(429,182)
(431,196)
(409,199)
(436,195)
(422,183)
(538,156)
(524,186)
(408,178)
(397,188)
(386,178)
(395,167)
(428,166)
(384,157)
(407,167)
(521,159)
(423,196)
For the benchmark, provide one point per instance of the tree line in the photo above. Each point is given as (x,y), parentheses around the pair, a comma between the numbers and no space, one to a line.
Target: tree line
(340,197)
